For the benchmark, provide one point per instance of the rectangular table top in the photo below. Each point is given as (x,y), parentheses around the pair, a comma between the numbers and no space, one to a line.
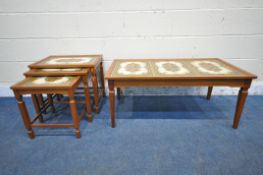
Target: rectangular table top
(46,82)
(68,61)
(57,72)
(194,68)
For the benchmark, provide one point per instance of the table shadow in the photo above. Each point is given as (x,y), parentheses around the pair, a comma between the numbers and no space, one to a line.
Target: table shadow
(173,107)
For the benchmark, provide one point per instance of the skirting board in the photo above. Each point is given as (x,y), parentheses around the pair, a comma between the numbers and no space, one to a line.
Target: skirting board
(255,89)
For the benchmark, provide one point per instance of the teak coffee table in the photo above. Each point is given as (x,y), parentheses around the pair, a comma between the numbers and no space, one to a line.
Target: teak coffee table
(178,72)
(92,62)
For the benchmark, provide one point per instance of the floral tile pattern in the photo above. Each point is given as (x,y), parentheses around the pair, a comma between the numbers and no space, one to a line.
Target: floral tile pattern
(210,67)
(173,68)
(49,81)
(60,70)
(133,68)
(69,60)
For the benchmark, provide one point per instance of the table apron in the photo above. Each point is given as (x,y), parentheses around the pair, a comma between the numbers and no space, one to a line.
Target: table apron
(35,91)
(232,83)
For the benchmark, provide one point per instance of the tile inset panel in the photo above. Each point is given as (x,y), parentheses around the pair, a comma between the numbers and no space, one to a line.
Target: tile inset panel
(132,68)
(49,81)
(61,70)
(171,68)
(168,68)
(210,67)
(68,60)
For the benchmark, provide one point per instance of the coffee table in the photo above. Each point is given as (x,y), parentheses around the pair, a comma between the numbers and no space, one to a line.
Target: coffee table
(178,72)
(92,62)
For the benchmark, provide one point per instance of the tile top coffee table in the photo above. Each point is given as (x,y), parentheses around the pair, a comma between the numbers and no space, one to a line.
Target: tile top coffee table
(178,72)
(71,62)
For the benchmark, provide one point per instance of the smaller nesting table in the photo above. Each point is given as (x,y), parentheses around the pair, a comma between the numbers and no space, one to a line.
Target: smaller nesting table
(82,72)
(47,85)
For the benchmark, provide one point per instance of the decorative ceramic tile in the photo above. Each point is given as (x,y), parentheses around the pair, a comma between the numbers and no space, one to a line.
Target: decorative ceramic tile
(132,68)
(49,70)
(69,60)
(49,81)
(210,67)
(61,70)
(171,68)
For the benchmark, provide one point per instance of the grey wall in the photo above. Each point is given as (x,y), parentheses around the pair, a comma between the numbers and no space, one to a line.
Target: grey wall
(34,29)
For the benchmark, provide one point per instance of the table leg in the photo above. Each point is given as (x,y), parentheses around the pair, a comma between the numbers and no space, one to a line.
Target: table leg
(41,101)
(119,93)
(37,107)
(95,89)
(242,95)
(209,93)
(102,79)
(87,97)
(25,115)
(112,102)
(74,113)
(50,101)
(59,97)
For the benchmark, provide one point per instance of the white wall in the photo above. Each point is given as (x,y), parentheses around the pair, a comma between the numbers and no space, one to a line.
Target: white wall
(33,29)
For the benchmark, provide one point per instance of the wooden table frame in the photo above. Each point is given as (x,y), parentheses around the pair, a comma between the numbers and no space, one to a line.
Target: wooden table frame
(83,73)
(243,82)
(19,91)
(94,66)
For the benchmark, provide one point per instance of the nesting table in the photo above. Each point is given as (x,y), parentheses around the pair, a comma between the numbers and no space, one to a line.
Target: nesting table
(91,62)
(56,76)
(81,72)
(178,72)
(47,85)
